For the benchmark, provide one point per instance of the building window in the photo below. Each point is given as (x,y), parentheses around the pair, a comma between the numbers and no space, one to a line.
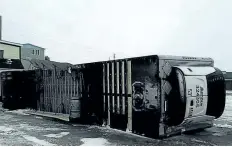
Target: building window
(33,52)
(1,54)
(37,52)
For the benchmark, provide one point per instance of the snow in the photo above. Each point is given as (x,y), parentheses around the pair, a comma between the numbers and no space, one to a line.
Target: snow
(37,128)
(225,121)
(227,114)
(108,129)
(219,134)
(5,117)
(10,130)
(62,134)
(94,142)
(37,141)
(19,111)
(5,129)
(229,92)
(200,141)
(60,116)
(18,131)
(223,126)
(80,125)
(38,117)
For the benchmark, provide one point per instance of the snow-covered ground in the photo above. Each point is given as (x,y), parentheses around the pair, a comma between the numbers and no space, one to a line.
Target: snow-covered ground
(19,111)
(59,135)
(19,128)
(225,121)
(229,92)
(37,141)
(94,142)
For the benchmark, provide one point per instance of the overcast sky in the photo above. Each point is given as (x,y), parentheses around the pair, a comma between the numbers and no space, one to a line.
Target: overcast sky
(79,31)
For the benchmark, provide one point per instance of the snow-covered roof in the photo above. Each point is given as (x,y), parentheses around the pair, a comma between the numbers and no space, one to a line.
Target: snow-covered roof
(32,45)
(10,43)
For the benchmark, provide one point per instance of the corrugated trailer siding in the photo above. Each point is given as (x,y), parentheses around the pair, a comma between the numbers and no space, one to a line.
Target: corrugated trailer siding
(57,90)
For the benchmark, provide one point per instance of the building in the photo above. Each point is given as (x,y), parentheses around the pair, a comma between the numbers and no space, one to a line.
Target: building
(10,55)
(14,55)
(228,80)
(30,51)
(10,50)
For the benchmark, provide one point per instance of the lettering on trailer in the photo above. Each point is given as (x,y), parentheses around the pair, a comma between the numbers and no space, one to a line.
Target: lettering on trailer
(190,111)
(199,96)
(190,92)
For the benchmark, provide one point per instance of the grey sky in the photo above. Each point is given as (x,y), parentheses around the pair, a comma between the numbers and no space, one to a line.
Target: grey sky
(80,31)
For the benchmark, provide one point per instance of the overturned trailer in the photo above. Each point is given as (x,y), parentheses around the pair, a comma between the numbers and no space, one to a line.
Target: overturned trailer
(6,66)
(153,95)
(19,89)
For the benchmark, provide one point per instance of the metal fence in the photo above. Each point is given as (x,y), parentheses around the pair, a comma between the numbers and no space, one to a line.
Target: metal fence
(57,88)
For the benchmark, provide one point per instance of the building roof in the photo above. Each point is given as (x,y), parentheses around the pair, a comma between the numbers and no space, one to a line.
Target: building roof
(34,45)
(10,43)
(228,75)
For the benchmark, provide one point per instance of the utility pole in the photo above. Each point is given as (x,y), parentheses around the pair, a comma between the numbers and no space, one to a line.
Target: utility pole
(0,27)
(114,55)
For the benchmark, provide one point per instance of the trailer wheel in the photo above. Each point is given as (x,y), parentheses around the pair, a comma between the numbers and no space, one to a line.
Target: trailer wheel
(216,94)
